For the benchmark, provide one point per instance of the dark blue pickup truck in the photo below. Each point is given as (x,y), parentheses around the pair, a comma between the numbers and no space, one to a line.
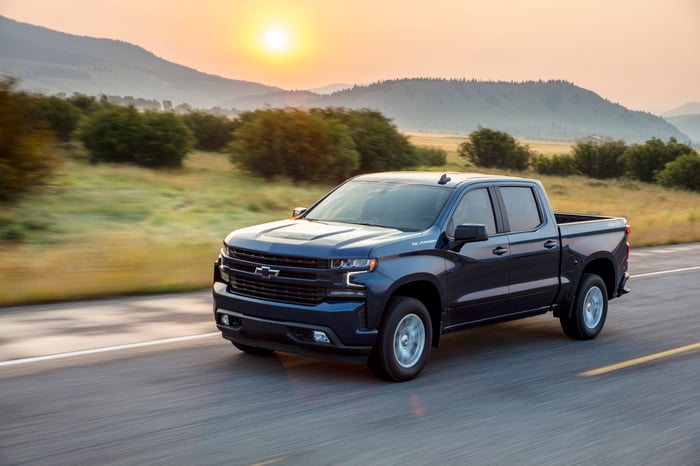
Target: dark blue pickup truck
(384,264)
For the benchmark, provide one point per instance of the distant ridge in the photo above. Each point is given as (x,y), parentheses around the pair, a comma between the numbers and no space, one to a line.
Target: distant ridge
(535,109)
(54,62)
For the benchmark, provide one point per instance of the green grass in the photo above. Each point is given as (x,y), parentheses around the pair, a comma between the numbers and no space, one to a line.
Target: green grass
(105,230)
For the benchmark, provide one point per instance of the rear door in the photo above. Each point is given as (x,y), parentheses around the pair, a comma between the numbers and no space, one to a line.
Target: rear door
(534,249)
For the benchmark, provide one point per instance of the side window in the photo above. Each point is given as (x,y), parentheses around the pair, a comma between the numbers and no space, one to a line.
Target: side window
(474,207)
(521,208)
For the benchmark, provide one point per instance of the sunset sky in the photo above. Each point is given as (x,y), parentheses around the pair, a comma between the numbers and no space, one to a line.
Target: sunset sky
(643,54)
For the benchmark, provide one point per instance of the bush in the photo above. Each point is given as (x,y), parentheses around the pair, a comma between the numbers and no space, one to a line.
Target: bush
(431,156)
(27,161)
(644,161)
(599,159)
(557,165)
(61,116)
(303,146)
(490,148)
(211,132)
(684,173)
(123,135)
(378,142)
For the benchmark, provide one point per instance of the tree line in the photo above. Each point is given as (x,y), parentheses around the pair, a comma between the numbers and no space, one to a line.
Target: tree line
(671,164)
(315,145)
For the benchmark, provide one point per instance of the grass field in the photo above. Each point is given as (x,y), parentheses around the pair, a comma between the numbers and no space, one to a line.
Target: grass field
(111,230)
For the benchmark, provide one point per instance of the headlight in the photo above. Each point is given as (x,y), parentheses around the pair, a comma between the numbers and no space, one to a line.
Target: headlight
(354,264)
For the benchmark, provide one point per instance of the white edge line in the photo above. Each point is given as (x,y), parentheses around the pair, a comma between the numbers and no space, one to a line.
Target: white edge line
(165,341)
(665,272)
(105,349)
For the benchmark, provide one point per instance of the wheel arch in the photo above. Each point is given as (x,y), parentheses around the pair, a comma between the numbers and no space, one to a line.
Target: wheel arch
(427,293)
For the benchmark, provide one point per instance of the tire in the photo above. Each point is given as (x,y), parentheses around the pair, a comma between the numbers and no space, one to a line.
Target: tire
(404,341)
(253,349)
(590,309)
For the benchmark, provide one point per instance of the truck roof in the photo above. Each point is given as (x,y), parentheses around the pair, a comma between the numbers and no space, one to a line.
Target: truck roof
(450,179)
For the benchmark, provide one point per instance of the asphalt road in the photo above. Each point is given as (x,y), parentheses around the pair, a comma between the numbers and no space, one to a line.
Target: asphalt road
(146,381)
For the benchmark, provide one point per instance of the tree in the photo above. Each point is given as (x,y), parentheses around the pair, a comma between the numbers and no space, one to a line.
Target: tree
(644,161)
(123,135)
(683,172)
(165,141)
(26,159)
(377,140)
(300,145)
(491,148)
(62,116)
(599,159)
(211,132)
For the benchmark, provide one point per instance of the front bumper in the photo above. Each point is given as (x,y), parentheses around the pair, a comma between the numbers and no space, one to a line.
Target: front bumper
(290,327)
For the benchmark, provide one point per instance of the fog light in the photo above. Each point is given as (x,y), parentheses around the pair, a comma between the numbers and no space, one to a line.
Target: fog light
(321,337)
(224,319)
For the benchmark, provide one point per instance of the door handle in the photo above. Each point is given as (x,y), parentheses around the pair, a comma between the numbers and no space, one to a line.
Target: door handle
(500,250)
(549,244)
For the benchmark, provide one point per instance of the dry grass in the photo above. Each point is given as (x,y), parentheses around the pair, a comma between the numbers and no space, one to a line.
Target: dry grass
(107,230)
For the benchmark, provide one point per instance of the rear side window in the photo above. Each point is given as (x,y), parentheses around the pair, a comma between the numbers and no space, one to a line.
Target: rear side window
(521,208)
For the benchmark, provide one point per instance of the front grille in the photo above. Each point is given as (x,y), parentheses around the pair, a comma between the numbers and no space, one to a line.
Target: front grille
(266,289)
(274,259)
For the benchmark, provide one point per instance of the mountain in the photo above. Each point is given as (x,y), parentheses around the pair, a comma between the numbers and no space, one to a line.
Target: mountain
(690,108)
(536,109)
(53,62)
(689,124)
(331,88)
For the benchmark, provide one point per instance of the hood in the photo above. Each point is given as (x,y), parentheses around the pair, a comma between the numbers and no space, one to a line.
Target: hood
(316,238)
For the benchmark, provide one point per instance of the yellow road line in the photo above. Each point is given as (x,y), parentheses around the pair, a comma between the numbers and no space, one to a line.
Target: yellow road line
(642,360)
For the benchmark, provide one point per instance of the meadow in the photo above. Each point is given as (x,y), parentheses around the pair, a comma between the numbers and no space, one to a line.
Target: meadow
(106,230)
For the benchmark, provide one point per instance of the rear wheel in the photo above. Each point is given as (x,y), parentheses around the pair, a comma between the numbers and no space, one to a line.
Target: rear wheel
(590,309)
(404,341)
(253,349)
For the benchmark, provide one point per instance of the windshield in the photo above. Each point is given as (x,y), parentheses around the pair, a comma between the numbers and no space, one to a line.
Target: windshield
(391,205)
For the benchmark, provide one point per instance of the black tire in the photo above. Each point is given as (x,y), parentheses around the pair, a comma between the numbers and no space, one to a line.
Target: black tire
(253,349)
(590,309)
(404,341)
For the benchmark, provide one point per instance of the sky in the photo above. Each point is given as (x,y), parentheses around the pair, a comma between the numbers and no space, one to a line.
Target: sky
(643,54)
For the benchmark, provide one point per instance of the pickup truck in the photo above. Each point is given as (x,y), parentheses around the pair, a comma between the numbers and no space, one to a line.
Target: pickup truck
(384,264)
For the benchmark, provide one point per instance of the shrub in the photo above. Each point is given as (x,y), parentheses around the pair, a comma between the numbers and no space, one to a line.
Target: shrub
(684,173)
(296,144)
(211,132)
(377,140)
(644,161)
(431,156)
(557,165)
(27,161)
(123,135)
(490,148)
(599,159)
(61,116)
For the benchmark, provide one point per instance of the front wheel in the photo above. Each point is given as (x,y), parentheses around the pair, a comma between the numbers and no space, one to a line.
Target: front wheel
(404,341)
(590,309)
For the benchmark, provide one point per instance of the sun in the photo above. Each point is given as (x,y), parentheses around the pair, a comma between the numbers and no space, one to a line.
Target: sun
(276,40)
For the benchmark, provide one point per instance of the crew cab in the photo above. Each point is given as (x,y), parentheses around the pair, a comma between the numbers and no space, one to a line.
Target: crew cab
(384,264)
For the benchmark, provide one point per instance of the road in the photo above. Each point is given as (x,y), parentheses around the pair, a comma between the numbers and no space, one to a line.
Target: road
(148,381)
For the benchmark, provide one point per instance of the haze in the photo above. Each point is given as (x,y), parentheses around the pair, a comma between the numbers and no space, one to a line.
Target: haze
(642,54)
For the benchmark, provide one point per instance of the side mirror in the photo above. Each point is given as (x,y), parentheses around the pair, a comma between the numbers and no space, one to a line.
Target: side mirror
(471,233)
(298,211)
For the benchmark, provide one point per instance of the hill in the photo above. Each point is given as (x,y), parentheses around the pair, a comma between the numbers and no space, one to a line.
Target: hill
(53,62)
(689,124)
(537,109)
(690,108)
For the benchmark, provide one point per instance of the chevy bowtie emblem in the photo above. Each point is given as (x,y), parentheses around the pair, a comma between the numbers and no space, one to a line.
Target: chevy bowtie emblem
(266,272)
